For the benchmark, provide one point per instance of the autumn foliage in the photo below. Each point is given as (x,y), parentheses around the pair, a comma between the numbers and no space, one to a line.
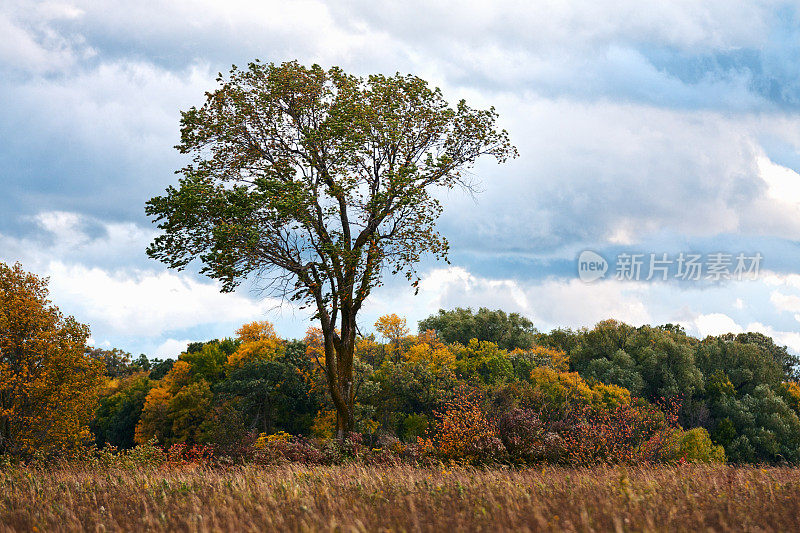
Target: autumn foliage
(463,430)
(260,398)
(258,340)
(49,385)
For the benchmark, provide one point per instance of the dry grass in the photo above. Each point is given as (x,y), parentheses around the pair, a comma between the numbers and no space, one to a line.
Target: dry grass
(356,498)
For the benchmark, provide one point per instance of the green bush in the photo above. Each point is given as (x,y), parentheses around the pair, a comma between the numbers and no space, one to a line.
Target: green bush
(695,446)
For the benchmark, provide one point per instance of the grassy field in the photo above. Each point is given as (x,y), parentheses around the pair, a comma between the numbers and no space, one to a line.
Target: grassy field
(358,498)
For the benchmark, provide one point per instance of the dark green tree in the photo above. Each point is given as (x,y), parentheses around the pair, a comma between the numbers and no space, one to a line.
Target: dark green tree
(117,415)
(270,396)
(746,364)
(757,427)
(656,362)
(788,363)
(407,389)
(619,369)
(507,331)
(142,363)
(318,182)
(563,339)
(160,367)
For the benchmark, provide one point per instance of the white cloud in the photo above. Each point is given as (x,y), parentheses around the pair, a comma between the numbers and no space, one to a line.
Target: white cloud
(146,303)
(580,24)
(92,342)
(171,348)
(178,33)
(785,302)
(783,184)
(613,173)
(71,237)
(29,44)
(716,324)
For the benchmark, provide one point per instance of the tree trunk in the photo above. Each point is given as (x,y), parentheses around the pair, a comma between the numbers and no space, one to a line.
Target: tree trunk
(339,374)
(344,413)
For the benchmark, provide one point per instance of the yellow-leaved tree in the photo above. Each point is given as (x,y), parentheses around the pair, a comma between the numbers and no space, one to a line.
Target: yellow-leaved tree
(48,383)
(429,350)
(258,342)
(393,329)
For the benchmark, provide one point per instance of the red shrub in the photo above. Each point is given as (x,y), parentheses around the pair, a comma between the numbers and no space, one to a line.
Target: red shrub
(632,433)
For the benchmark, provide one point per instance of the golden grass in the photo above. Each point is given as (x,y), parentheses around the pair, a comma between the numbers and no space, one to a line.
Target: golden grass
(361,498)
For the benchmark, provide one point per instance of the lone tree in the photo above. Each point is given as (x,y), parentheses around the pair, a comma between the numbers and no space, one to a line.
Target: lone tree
(318,182)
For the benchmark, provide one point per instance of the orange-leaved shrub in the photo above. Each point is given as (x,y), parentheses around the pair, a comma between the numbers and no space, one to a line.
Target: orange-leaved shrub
(463,431)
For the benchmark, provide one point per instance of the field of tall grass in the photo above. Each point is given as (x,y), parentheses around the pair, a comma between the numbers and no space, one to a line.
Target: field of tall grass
(400,498)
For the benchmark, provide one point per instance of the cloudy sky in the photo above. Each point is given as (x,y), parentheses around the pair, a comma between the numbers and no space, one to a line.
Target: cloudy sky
(666,128)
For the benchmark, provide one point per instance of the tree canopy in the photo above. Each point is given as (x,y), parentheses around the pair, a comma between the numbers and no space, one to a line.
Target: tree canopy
(508,331)
(319,182)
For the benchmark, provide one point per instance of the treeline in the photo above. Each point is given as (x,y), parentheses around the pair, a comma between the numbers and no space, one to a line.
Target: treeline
(475,386)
